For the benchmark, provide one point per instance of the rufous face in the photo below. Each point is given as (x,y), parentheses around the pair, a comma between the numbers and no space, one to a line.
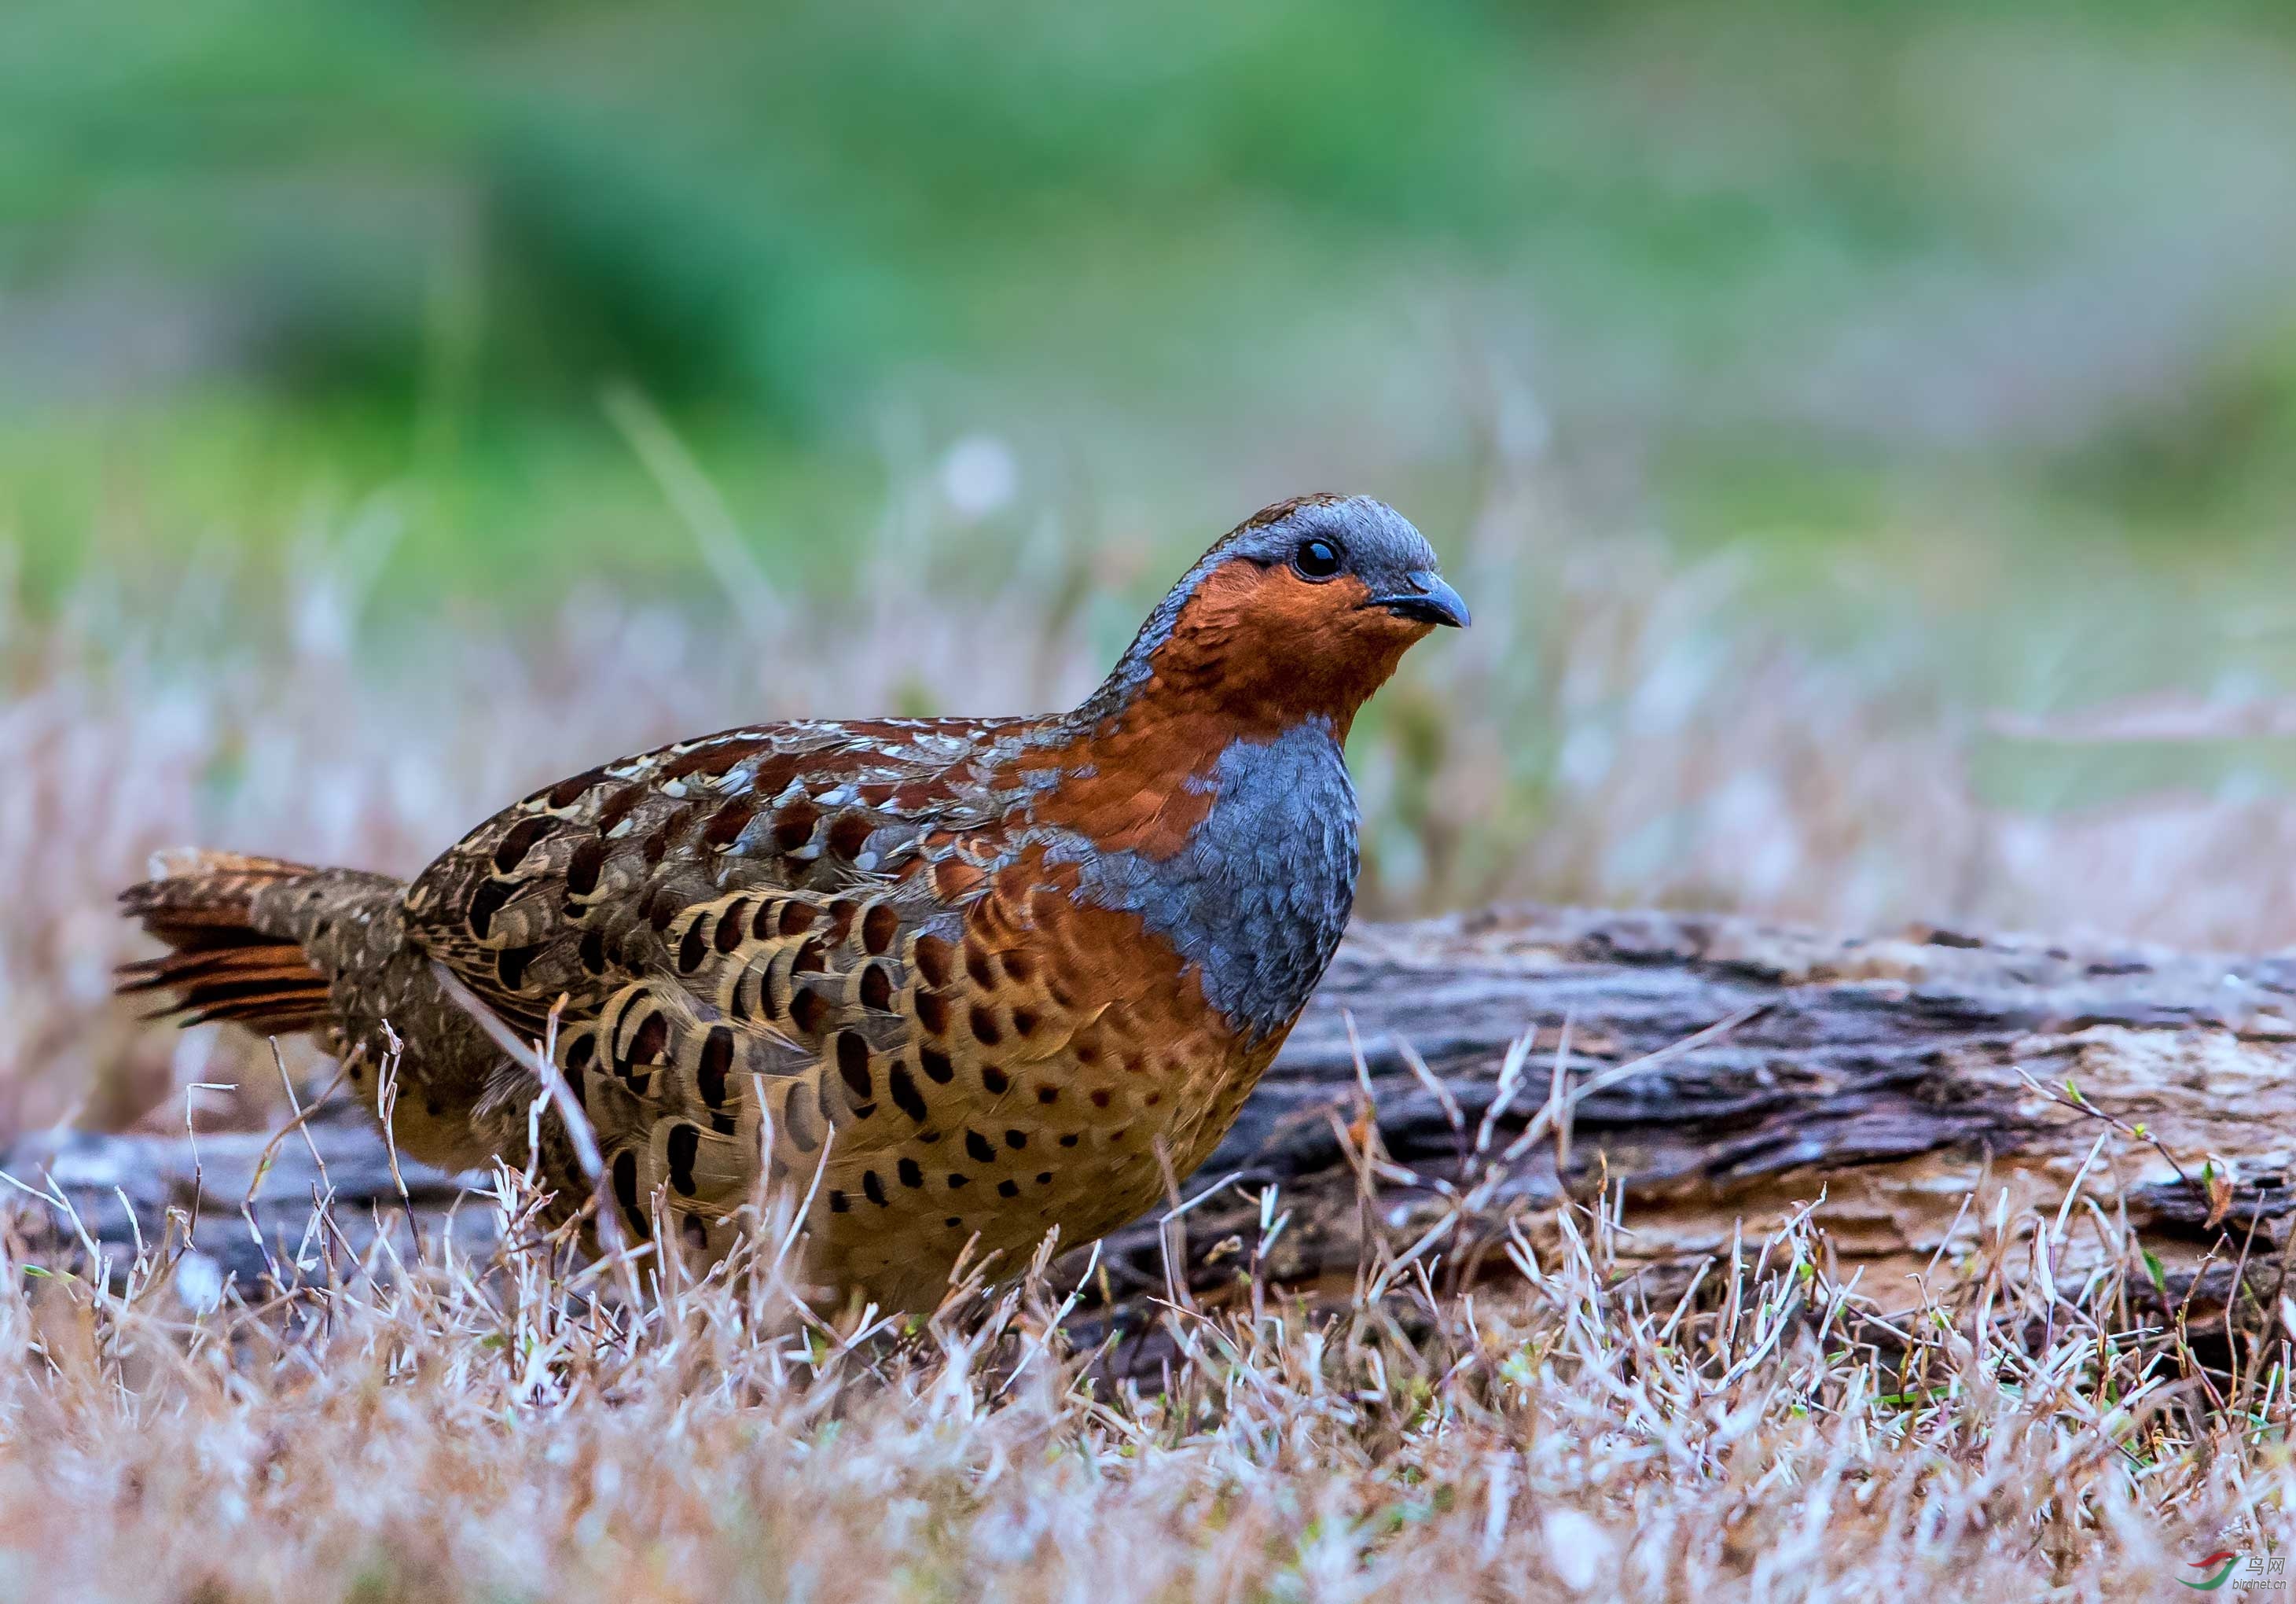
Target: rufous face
(1305,615)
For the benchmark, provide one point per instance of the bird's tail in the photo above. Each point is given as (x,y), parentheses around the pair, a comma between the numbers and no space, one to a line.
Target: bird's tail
(236,928)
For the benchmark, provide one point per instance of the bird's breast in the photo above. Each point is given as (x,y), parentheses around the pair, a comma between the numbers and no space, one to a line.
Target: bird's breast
(1258,893)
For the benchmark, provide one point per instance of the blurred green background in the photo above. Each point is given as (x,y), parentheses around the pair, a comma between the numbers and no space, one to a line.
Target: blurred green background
(1799,271)
(1970,321)
(1866,431)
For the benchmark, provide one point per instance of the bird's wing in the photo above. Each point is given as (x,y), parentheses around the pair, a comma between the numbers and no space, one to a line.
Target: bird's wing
(883,1017)
(557,894)
(779,910)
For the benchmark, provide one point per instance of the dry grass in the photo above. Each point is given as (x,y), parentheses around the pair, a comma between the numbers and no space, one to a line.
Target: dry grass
(1614,730)
(447,1431)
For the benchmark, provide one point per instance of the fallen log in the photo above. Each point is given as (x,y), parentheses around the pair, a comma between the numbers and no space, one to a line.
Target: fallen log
(1703,1075)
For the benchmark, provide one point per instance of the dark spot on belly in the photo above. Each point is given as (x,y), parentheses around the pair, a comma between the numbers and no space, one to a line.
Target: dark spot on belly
(1008,1188)
(649,1039)
(853,1065)
(684,1146)
(626,1189)
(692,950)
(932,959)
(994,1080)
(877,989)
(958,1183)
(977,1145)
(804,1131)
(910,1174)
(1016,1139)
(873,1188)
(932,1013)
(730,924)
(984,1026)
(797,917)
(903,1088)
(879,926)
(936,1065)
(1048,1094)
(717,1063)
(807,1009)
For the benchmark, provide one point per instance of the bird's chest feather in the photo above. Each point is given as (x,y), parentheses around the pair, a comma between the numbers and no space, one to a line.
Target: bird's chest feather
(1256,897)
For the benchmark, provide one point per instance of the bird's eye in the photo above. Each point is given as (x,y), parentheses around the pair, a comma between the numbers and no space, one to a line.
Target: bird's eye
(1317,559)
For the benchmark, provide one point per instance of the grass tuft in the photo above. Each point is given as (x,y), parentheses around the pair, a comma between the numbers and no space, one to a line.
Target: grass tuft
(410,1423)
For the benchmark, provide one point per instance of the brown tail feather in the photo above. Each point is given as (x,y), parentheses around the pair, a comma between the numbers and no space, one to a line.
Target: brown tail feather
(222,966)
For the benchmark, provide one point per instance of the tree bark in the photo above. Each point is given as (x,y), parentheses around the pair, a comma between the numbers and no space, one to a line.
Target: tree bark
(1719,1074)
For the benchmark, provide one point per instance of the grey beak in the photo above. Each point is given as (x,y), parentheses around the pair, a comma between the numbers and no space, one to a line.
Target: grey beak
(1433,601)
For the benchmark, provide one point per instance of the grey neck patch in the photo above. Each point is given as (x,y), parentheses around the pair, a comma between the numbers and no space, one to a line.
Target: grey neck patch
(1258,899)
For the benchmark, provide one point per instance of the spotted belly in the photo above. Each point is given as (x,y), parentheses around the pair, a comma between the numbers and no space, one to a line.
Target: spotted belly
(1082,1129)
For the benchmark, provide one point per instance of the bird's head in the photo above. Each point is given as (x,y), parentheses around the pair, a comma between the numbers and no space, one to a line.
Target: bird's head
(1302,611)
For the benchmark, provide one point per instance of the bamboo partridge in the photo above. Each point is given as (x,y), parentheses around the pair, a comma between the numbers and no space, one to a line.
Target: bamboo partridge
(958,975)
